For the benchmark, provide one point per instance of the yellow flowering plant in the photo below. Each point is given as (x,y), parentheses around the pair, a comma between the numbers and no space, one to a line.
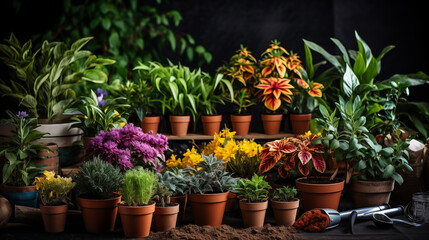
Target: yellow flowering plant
(190,159)
(53,190)
(241,157)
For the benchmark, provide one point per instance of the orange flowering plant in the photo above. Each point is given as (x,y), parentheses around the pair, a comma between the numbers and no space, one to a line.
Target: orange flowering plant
(294,154)
(241,72)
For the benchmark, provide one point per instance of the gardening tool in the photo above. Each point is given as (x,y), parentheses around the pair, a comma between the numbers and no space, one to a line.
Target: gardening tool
(382,220)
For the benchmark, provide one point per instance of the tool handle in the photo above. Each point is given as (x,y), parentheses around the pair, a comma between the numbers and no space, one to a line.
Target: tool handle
(352,220)
(346,214)
(389,212)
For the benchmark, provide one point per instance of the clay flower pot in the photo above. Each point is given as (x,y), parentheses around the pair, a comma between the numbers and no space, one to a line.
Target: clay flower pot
(211,124)
(166,217)
(371,193)
(241,124)
(322,194)
(271,123)
(25,196)
(285,212)
(150,123)
(208,209)
(300,123)
(179,125)
(99,215)
(232,202)
(182,201)
(136,221)
(253,213)
(54,217)
(50,160)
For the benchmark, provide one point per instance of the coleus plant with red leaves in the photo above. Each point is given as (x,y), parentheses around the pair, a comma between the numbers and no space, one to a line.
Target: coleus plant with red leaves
(299,153)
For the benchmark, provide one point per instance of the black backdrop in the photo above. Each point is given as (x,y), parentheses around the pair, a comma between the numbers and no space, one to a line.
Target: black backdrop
(222,25)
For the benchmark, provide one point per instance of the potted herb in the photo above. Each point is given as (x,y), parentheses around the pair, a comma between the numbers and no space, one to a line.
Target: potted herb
(54,199)
(166,212)
(139,187)
(285,205)
(304,154)
(240,70)
(18,169)
(130,146)
(96,114)
(98,184)
(175,181)
(254,203)
(176,86)
(208,189)
(274,84)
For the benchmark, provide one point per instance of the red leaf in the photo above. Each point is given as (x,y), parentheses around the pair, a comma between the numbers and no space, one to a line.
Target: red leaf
(268,160)
(287,147)
(267,70)
(283,172)
(319,163)
(303,169)
(304,156)
(289,161)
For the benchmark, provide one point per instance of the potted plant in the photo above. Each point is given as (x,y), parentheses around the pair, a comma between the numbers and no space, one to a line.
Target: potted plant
(274,84)
(166,212)
(254,202)
(176,86)
(136,212)
(42,81)
(96,114)
(208,190)
(54,199)
(130,146)
(18,169)
(98,184)
(304,154)
(285,205)
(210,98)
(175,181)
(241,72)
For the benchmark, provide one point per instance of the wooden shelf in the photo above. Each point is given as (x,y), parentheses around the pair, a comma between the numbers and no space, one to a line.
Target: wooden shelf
(252,135)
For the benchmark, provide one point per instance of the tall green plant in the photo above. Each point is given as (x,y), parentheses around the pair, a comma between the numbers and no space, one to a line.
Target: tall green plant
(42,80)
(128,31)
(139,186)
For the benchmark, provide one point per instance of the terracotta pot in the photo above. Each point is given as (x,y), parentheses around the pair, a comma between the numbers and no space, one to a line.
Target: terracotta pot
(300,123)
(25,196)
(99,215)
(50,160)
(54,217)
(182,201)
(232,202)
(241,124)
(211,124)
(271,123)
(285,212)
(166,217)
(179,125)
(150,123)
(208,209)
(371,193)
(319,195)
(253,213)
(136,221)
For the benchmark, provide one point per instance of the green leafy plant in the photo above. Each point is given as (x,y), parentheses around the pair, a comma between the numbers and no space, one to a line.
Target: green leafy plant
(139,187)
(211,176)
(252,190)
(53,190)
(19,151)
(42,80)
(174,180)
(284,193)
(210,96)
(128,31)
(98,179)
(96,114)
(163,195)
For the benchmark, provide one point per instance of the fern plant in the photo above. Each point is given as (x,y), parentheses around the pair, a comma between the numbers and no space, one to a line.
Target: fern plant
(98,179)
(211,176)
(139,186)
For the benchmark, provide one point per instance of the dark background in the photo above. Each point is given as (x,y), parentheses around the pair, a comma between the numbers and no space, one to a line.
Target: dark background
(222,25)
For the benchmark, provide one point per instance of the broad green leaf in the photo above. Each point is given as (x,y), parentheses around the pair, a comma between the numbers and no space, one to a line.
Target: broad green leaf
(95,76)
(309,62)
(350,81)
(330,58)
(398,178)
(172,39)
(342,49)
(388,171)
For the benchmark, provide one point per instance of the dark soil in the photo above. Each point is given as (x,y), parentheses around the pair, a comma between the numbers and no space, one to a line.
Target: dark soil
(320,180)
(194,232)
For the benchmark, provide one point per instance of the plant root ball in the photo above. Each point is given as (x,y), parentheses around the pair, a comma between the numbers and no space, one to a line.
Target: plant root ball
(5,211)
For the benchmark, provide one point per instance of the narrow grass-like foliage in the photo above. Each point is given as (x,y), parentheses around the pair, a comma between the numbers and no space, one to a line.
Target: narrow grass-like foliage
(139,186)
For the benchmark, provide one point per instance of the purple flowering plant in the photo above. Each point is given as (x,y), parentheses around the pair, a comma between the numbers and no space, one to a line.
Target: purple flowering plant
(130,146)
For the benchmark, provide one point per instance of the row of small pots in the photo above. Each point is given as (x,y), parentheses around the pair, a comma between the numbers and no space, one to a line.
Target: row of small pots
(240,123)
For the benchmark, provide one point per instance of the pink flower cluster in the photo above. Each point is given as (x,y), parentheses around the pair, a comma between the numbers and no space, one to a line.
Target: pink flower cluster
(130,146)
